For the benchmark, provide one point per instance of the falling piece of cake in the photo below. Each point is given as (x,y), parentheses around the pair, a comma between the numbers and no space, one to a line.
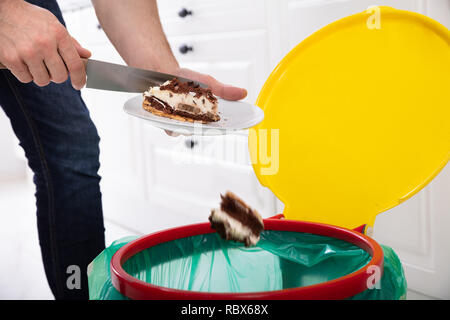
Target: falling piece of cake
(235,220)
(183,101)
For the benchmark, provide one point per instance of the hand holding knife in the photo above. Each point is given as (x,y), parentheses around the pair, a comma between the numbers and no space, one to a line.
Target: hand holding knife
(114,77)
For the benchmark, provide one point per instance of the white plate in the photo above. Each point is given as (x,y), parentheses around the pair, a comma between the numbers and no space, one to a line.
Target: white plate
(234,115)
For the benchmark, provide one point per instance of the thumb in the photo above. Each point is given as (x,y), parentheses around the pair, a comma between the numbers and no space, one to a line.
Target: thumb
(224,91)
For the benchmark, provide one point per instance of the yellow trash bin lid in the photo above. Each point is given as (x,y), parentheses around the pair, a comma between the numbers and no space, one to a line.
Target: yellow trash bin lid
(357,117)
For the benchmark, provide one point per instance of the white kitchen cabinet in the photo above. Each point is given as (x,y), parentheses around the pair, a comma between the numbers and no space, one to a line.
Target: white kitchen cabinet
(205,17)
(151,180)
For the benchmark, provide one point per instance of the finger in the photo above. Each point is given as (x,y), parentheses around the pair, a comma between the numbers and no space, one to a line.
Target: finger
(73,62)
(229,92)
(219,89)
(39,72)
(83,52)
(21,72)
(56,68)
(17,67)
(224,91)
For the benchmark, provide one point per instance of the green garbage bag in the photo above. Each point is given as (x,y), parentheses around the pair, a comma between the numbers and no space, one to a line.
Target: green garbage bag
(281,260)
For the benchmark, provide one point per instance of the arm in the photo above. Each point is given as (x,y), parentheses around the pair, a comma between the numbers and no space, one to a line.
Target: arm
(135,30)
(35,46)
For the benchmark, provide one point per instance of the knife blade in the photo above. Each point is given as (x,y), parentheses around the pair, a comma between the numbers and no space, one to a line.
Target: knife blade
(109,76)
(115,77)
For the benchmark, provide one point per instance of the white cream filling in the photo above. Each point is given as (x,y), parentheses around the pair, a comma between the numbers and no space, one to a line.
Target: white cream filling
(176,99)
(234,227)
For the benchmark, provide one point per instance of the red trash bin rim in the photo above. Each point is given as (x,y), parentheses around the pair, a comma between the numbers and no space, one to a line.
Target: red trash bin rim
(340,288)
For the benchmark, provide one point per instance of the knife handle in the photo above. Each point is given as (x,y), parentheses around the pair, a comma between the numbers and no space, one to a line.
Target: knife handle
(83,59)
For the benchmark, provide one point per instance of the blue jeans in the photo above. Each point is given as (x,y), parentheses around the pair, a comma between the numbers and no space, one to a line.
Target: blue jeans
(61,144)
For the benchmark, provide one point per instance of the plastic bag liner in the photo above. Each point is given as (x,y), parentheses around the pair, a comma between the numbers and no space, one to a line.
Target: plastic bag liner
(281,260)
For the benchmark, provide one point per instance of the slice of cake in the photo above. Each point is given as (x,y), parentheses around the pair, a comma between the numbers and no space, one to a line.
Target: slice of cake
(184,101)
(235,220)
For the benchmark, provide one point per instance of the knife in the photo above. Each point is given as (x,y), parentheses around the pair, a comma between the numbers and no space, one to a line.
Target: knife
(115,77)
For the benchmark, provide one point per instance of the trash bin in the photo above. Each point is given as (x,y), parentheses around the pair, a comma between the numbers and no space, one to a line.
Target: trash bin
(284,265)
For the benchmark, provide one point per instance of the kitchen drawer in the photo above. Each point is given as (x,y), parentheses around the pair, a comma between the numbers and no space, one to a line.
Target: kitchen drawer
(220,47)
(211,16)
(207,17)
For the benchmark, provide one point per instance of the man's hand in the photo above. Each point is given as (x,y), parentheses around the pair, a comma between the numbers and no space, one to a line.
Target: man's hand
(35,46)
(221,90)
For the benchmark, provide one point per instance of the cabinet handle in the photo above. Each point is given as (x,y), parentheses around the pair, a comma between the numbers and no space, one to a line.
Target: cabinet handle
(185,49)
(190,143)
(184,12)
